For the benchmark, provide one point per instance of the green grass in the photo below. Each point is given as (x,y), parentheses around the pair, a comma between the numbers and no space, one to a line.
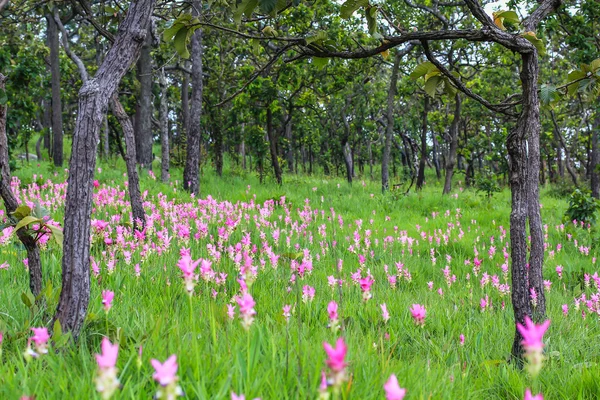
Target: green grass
(285,360)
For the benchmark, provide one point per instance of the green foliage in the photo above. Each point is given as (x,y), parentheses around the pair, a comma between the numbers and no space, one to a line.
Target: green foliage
(487,183)
(582,207)
(350,6)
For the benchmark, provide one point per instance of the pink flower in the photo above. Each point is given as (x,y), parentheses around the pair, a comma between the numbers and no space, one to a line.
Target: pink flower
(165,373)
(336,355)
(332,309)
(529,396)
(231,311)
(246,303)
(108,358)
(462,339)
(384,313)
(107,298)
(532,334)
(565,309)
(4,265)
(40,336)
(96,183)
(418,313)
(393,391)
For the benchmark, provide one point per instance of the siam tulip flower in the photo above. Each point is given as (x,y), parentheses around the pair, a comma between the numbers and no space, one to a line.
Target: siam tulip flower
(106,380)
(418,313)
(166,375)
(534,297)
(1,338)
(336,361)
(323,393)
(187,267)
(308,293)
(365,285)
(247,303)
(40,339)
(393,391)
(384,313)
(332,311)
(565,310)
(287,312)
(529,396)
(107,298)
(239,396)
(4,265)
(230,311)
(462,339)
(532,342)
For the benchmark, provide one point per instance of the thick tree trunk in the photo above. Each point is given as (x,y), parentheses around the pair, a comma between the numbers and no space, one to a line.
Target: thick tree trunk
(191,172)
(135,197)
(389,129)
(217,132)
(57,126)
(434,153)
(164,129)
(143,124)
(272,136)
(451,159)
(94,97)
(11,204)
(185,105)
(422,160)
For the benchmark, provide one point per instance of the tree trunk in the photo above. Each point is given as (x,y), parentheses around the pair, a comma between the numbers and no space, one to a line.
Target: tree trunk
(451,159)
(191,172)
(218,143)
(164,129)
(273,146)
(11,204)
(185,104)
(595,180)
(389,129)
(57,126)
(94,97)
(422,160)
(288,134)
(434,152)
(137,205)
(143,124)
(560,137)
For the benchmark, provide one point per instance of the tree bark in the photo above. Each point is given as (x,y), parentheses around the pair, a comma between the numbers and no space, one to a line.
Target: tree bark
(273,147)
(94,97)
(164,129)
(135,196)
(422,160)
(288,133)
(143,124)
(191,172)
(560,137)
(451,159)
(10,202)
(595,179)
(389,129)
(57,126)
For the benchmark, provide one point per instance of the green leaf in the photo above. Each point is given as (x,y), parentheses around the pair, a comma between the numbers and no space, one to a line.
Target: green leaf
(57,234)
(574,76)
(595,65)
(26,221)
(246,8)
(371,20)
(169,33)
(267,6)
(421,70)
(27,299)
(320,62)
(320,35)
(56,331)
(21,212)
(180,42)
(548,94)
(431,85)
(449,89)
(350,6)
(537,43)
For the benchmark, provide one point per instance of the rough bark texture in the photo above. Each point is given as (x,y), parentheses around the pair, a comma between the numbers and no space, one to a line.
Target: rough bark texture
(135,197)
(272,135)
(57,128)
(143,122)
(185,103)
(288,134)
(191,172)
(94,97)
(389,129)
(164,130)
(562,141)
(451,159)
(11,204)
(422,160)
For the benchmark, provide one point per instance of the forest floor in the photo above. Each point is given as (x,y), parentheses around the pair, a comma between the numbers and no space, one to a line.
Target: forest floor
(296,252)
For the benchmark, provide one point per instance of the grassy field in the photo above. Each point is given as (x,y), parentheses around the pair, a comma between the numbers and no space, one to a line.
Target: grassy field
(321,222)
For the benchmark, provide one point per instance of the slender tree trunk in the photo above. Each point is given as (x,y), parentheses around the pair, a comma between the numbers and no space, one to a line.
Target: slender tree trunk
(434,152)
(272,135)
(595,180)
(137,205)
(191,172)
(218,143)
(451,159)
(164,129)
(422,160)
(560,137)
(289,148)
(10,202)
(389,128)
(94,97)
(185,104)
(143,125)
(57,126)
